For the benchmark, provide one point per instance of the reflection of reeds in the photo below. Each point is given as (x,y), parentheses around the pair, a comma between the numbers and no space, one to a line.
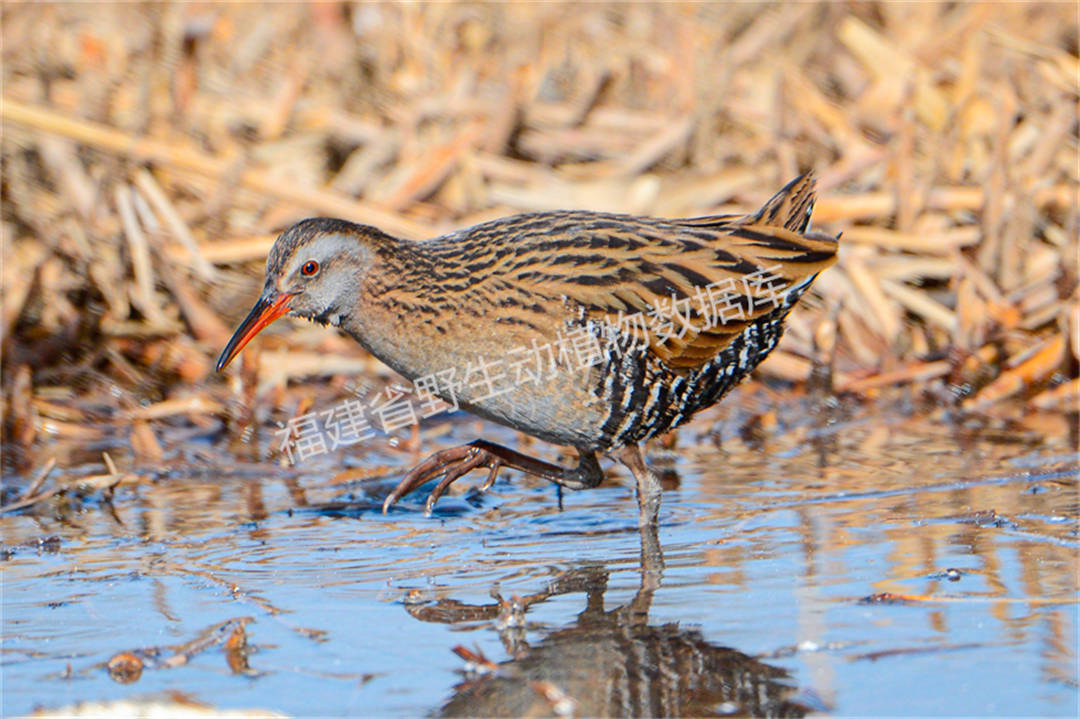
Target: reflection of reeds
(151,154)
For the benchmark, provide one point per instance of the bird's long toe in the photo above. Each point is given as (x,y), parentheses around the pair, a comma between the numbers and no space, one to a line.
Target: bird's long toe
(453,464)
(427,470)
(479,459)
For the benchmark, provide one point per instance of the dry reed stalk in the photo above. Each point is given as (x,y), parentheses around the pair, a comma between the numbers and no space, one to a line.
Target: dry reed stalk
(949,163)
(1029,369)
(917,372)
(144,444)
(197,404)
(140,258)
(145,181)
(229,251)
(187,158)
(1064,398)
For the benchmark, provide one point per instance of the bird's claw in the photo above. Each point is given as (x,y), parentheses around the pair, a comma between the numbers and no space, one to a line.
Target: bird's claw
(453,464)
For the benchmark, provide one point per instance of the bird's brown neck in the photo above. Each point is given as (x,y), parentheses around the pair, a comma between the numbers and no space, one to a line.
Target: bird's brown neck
(397,317)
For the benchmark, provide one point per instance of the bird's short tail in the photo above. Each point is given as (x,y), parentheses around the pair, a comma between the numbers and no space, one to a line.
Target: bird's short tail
(790,208)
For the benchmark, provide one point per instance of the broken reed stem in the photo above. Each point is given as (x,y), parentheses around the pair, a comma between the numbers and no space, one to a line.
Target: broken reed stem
(104,138)
(952,179)
(149,186)
(142,268)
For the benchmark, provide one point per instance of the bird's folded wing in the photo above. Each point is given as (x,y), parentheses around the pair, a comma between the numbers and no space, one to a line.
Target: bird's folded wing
(686,299)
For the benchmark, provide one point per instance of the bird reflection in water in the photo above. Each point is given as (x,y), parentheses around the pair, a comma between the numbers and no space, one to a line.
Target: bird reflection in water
(610,662)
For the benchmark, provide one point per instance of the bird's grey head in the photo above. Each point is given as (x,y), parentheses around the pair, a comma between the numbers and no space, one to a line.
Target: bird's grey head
(314,270)
(321,263)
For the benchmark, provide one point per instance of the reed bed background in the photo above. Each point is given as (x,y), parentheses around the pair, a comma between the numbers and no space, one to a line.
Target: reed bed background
(152,152)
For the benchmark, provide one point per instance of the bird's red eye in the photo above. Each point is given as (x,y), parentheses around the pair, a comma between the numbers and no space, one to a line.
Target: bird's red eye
(310,268)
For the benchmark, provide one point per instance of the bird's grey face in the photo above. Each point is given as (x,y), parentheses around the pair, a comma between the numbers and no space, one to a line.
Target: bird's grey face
(314,270)
(321,276)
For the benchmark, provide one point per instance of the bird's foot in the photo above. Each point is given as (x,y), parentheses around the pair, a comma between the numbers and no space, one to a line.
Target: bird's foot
(453,463)
(459,461)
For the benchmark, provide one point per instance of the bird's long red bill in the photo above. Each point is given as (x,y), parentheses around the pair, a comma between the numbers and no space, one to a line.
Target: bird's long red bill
(263,313)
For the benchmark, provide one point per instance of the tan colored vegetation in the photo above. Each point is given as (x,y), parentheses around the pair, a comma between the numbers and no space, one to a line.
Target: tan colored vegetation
(151,153)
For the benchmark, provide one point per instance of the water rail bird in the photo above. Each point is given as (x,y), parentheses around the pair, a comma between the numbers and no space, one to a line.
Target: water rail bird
(590,330)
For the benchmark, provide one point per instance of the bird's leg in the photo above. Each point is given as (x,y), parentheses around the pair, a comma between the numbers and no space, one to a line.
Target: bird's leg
(648,484)
(652,571)
(652,555)
(458,461)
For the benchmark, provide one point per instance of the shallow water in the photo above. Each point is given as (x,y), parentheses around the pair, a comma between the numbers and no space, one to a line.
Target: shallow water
(869,564)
